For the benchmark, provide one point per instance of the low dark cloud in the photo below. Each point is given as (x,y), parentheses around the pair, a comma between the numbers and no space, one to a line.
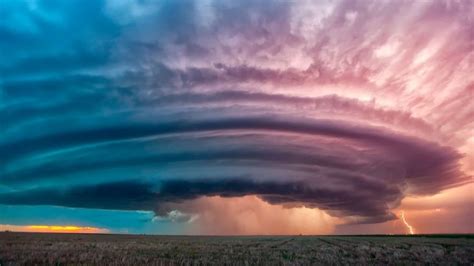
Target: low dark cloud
(132,196)
(364,175)
(120,196)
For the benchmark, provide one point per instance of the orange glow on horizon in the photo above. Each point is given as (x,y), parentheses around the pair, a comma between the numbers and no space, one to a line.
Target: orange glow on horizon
(68,228)
(53,229)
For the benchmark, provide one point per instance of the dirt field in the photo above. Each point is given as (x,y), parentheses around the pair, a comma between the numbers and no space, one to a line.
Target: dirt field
(27,248)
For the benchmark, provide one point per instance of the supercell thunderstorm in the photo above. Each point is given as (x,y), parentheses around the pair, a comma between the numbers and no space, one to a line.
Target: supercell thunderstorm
(180,100)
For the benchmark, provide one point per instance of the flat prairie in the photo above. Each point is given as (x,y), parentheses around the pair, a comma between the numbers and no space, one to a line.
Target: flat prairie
(107,249)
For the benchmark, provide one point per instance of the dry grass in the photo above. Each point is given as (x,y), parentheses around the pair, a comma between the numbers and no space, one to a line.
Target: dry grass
(65,249)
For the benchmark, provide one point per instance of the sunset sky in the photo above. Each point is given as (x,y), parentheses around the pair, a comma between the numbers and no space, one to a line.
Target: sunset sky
(237,117)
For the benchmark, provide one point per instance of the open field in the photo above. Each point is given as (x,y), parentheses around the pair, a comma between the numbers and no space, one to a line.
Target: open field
(30,248)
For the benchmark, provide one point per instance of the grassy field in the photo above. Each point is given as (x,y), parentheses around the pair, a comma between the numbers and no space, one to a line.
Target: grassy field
(29,248)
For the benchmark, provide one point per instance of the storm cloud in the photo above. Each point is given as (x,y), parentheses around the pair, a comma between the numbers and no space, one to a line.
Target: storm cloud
(151,105)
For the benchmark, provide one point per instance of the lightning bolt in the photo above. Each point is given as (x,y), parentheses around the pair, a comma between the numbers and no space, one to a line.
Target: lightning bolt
(410,228)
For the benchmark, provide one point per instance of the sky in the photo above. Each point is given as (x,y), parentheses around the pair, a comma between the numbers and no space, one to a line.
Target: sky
(237,117)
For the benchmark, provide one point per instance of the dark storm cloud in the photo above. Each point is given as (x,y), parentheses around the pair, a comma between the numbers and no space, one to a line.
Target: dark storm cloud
(315,127)
(131,195)
(121,196)
(140,105)
(324,178)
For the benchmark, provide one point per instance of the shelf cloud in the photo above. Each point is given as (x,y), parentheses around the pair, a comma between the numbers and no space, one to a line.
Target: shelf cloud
(161,105)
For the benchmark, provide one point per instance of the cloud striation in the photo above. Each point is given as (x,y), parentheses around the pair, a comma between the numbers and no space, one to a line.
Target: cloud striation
(151,105)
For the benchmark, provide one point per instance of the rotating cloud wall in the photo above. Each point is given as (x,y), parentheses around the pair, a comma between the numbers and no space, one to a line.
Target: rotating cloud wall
(142,105)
